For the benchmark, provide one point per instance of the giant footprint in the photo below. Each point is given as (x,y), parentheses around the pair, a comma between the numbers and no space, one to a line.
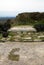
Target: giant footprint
(13,55)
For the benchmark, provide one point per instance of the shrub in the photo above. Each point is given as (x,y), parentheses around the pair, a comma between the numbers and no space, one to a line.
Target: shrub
(39,27)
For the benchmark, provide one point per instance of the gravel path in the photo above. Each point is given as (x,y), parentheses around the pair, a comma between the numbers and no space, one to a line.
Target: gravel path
(30,53)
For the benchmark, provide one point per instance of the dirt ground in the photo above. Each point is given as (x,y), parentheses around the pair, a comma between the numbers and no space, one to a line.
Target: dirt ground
(30,53)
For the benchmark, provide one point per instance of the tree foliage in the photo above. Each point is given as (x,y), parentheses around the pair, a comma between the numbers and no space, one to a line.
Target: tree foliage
(39,27)
(4,28)
(29,18)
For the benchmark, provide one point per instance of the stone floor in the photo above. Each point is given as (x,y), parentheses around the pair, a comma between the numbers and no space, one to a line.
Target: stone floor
(30,53)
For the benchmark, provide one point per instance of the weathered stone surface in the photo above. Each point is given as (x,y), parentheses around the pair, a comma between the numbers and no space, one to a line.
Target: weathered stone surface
(30,53)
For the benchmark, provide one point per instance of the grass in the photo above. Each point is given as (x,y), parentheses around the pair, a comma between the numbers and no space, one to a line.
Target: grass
(21,25)
(42,38)
(20,36)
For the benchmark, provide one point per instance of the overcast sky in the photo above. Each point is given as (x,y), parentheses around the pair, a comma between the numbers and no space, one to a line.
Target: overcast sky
(13,7)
